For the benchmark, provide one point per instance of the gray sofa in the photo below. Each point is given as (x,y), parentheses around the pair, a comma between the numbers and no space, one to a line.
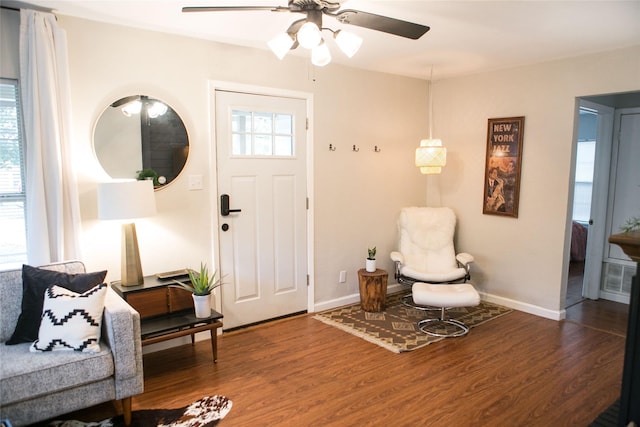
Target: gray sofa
(39,386)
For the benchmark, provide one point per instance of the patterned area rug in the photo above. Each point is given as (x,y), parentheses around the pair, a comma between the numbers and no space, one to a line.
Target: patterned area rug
(206,412)
(395,328)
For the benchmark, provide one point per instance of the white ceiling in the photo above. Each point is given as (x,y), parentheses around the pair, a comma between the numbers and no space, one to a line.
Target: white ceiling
(466,37)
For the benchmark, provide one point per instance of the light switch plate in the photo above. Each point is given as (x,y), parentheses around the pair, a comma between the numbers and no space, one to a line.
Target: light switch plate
(195,182)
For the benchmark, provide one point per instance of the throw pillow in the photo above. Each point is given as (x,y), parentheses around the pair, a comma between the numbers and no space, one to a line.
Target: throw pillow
(34,283)
(71,321)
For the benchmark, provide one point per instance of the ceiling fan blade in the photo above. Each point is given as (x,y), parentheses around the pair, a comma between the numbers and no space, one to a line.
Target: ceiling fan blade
(385,24)
(234,8)
(126,100)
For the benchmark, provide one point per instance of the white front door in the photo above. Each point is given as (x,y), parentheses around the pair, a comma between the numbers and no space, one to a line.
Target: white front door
(261,157)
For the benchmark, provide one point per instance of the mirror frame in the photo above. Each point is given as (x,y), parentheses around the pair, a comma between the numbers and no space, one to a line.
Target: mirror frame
(162,150)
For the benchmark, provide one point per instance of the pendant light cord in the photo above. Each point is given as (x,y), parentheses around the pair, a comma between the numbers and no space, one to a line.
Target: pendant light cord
(430,105)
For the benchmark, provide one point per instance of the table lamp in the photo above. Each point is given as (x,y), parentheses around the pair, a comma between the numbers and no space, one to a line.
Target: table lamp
(127,200)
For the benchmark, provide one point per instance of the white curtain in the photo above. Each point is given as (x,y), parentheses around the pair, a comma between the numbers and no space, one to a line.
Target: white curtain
(52,209)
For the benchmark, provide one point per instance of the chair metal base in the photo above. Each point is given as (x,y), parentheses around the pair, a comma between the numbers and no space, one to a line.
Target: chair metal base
(427,326)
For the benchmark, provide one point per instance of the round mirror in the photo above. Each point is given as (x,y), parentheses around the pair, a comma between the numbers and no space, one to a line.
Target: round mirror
(143,138)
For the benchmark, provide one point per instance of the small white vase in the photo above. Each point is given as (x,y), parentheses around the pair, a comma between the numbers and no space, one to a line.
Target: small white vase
(370,265)
(202,305)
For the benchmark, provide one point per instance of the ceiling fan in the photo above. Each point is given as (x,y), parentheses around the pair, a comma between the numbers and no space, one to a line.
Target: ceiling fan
(306,32)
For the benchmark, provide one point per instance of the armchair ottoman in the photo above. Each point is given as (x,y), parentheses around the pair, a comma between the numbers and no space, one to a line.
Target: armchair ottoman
(443,297)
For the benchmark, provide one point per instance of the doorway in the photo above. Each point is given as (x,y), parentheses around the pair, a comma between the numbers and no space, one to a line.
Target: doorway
(588,299)
(261,143)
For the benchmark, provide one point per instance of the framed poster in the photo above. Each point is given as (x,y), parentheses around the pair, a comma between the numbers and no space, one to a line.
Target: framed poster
(502,166)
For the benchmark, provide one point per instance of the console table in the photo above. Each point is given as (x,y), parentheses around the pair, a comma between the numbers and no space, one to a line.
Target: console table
(167,312)
(630,393)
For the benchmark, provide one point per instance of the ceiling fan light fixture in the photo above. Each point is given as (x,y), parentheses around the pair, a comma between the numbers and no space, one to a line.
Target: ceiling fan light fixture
(281,44)
(320,55)
(348,43)
(132,108)
(309,35)
(156,109)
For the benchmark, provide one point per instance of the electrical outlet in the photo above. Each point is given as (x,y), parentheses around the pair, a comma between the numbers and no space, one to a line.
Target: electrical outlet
(343,276)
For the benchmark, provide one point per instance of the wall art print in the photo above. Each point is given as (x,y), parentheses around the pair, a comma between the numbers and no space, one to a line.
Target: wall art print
(502,167)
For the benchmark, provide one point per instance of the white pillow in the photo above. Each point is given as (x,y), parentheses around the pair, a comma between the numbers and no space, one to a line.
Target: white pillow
(71,321)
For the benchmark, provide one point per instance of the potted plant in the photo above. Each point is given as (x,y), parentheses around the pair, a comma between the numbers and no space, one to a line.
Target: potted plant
(201,284)
(632,224)
(148,174)
(370,264)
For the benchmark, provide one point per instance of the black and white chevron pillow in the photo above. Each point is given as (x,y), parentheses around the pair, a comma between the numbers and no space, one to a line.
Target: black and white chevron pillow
(71,321)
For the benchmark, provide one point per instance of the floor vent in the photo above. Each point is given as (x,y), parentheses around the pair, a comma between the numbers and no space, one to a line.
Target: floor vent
(617,278)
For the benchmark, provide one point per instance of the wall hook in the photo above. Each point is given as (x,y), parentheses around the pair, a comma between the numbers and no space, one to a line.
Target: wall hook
(376,149)
(332,147)
(356,149)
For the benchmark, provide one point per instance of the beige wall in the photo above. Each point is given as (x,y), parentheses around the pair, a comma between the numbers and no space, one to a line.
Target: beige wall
(357,196)
(523,259)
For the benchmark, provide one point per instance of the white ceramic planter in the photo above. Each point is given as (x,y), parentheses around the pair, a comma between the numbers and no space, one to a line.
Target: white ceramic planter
(370,265)
(202,305)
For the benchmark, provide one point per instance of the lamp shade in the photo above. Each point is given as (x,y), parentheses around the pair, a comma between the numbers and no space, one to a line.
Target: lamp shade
(348,43)
(157,109)
(320,55)
(281,44)
(126,199)
(132,108)
(431,156)
(309,35)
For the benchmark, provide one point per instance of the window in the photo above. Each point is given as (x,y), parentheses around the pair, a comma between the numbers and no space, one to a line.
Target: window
(585,162)
(261,134)
(13,242)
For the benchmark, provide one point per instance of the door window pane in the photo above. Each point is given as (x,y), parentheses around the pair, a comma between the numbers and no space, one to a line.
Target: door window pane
(262,123)
(263,145)
(262,134)
(284,145)
(284,124)
(241,121)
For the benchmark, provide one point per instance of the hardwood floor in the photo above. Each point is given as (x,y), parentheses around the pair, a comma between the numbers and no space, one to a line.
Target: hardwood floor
(517,370)
(574,284)
(599,314)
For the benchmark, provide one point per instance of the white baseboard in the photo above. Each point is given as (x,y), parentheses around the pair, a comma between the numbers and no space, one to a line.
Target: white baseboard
(615,297)
(523,306)
(352,299)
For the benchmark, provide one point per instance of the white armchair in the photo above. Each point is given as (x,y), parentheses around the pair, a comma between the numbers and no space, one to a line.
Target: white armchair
(426,250)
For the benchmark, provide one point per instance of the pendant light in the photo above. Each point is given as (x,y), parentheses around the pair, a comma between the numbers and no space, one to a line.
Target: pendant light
(431,156)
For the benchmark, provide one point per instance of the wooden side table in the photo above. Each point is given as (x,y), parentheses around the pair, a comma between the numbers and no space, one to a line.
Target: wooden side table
(373,289)
(167,312)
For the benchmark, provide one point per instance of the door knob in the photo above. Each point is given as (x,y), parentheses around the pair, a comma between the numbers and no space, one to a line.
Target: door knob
(224,206)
